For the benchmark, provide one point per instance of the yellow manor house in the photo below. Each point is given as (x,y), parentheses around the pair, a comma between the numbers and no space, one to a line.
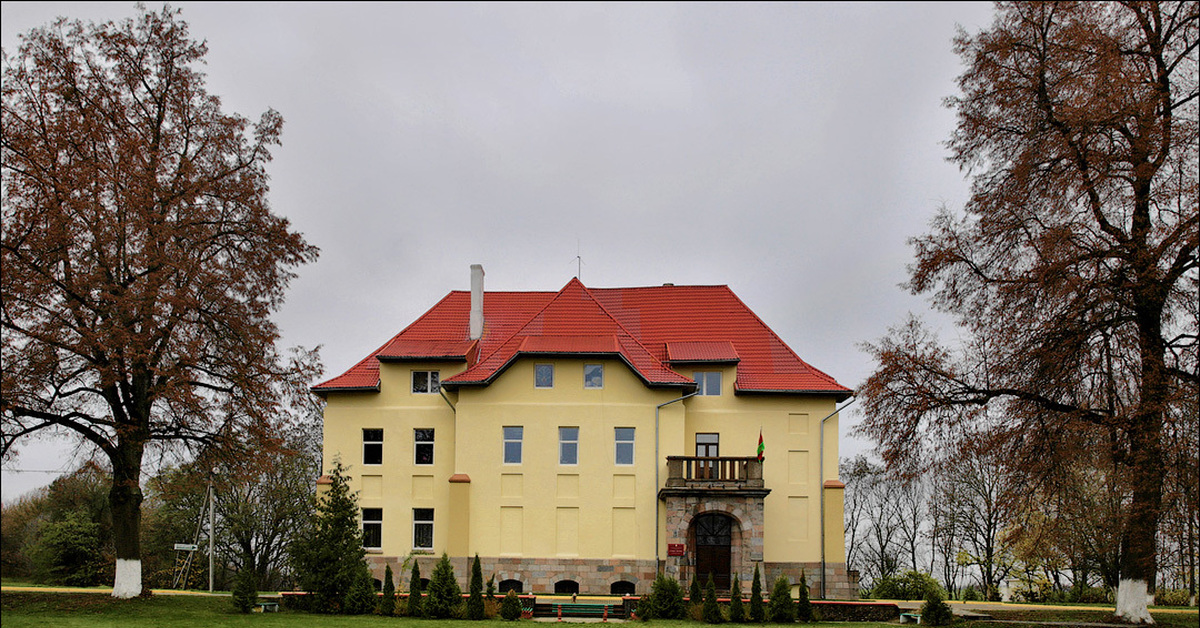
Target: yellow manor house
(579,441)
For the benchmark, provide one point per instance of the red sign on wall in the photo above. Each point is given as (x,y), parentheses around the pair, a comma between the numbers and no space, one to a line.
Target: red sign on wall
(675,549)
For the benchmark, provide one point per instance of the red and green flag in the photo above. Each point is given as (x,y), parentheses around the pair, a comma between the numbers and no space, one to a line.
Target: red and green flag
(760,445)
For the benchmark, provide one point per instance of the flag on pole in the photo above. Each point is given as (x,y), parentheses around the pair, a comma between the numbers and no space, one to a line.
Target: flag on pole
(760,445)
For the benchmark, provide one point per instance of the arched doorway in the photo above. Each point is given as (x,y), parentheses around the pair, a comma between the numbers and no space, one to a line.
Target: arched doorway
(714,541)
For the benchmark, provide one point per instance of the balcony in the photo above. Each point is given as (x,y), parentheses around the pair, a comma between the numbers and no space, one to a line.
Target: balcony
(695,475)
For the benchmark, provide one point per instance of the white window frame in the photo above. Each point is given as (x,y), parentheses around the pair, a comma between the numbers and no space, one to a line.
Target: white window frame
(585,376)
(420,523)
(519,440)
(433,382)
(376,524)
(366,443)
(563,440)
(704,386)
(536,367)
(418,443)
(631,443)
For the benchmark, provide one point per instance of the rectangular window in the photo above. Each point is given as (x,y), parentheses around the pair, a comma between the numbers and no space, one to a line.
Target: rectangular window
(372,446)
(543,376)
(423,446)
(372,522)
(708,382)
(512,444)
(425,383)
(568,445)
(624,445)
(422,528)
(593,376)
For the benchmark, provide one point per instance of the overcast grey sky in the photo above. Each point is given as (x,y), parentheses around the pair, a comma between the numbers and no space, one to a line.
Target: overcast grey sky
(786,150)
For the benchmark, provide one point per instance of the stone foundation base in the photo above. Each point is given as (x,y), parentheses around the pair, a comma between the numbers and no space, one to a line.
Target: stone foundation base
(536,575)
(842,585)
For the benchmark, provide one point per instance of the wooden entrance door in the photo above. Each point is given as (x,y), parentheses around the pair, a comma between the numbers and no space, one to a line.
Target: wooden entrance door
(714,538)
(707,446)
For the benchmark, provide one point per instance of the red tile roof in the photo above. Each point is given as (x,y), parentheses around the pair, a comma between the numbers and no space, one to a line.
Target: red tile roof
(649,328)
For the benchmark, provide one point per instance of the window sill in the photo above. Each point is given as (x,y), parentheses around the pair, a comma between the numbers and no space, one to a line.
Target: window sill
(373,550)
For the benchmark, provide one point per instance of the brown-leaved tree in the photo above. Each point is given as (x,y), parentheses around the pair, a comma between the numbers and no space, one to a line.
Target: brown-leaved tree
(141,259)
(1072,272)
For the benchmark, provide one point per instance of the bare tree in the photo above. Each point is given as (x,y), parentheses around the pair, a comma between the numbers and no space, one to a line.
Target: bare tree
(1072,271)
(141,258)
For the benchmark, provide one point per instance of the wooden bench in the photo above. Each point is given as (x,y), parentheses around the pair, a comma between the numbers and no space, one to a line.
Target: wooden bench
(910,618)
(268,607)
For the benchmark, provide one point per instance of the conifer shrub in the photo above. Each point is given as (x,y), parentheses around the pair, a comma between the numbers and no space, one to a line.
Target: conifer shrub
(387,603)
(491,587)
(695,595)
(712,610)
(510,609)
(936,612)
(804,609)
(665,600)
(757,612)
(781,609)
(737,611)
(445,595)
(415,608)
(361,598)
(245,590)
(330,559)
(475,601)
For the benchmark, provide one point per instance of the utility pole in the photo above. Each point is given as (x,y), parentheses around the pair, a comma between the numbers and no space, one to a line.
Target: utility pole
(212,528)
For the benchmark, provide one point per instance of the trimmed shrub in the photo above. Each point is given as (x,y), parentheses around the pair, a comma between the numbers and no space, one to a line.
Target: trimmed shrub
(444,593)
(665,600)
(360,599)
(245,590)
(68,552)
(910,585)
(712,610)
(971,594)
(414,607)
(475,601)
(1173,597)
(757,612)
(737,612)
(695,595)
(804,609)
(387,603)
(781,609)
(510,610)
(936,612)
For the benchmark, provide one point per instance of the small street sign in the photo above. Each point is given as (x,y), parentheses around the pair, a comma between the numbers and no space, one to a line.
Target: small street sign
(186,547)
(675,549)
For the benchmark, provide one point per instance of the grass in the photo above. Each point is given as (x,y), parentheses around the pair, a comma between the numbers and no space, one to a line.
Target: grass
(1167,619)
(89,610)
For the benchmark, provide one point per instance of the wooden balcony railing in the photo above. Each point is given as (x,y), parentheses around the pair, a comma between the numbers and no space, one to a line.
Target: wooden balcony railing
(717,473)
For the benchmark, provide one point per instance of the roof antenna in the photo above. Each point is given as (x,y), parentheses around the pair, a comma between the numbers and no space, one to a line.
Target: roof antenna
(578,262)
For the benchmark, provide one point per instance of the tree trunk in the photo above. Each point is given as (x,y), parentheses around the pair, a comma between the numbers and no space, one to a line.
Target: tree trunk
(125,498)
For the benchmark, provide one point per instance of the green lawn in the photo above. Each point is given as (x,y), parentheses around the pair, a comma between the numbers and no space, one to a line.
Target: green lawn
(1166,619)
(91,610)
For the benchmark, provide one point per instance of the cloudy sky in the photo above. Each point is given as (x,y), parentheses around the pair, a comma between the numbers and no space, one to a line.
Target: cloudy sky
(786,150)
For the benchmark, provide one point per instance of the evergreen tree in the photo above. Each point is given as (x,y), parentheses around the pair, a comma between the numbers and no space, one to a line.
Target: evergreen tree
(511,608)
(444,593)
(387,604)
(491,587)
(757,612)
(475,601)
(361,598)
(712,610)
(935,612)
(414,592)
(331,559)
(737,612)
(245,590)
(695,595)
(781,609)
(804,611)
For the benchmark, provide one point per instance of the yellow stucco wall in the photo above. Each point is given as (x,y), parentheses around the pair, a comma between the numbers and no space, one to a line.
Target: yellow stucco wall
(594,509)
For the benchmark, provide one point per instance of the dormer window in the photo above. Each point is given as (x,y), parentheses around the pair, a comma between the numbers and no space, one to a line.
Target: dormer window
(708,383)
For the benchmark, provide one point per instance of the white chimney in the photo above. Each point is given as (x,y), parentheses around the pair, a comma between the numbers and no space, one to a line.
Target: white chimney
(476,329)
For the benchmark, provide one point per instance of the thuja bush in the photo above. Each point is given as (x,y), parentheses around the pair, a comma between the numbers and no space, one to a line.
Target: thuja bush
(510,609)
(737,612)
(936,612)
(665,600)
(387,603)
(781,609)
(475,609)
(757,612)
(804,609)
(712,610)
(245,590)
(695,595)
(444,593)
(414,606)
(360,599)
